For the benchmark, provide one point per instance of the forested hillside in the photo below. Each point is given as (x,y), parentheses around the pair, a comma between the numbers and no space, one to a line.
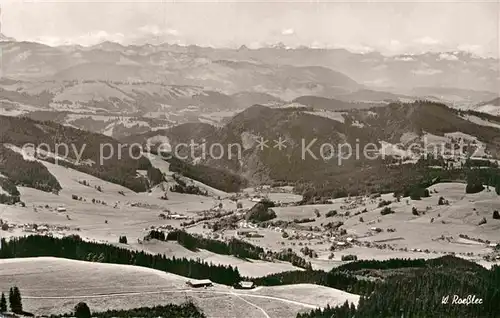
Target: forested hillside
(442,287)
(90,153)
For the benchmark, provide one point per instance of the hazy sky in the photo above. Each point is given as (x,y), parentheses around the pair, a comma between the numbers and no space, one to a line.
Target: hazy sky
(389,27)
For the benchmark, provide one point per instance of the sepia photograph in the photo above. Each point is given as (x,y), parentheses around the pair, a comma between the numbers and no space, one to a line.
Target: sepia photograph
(249,159)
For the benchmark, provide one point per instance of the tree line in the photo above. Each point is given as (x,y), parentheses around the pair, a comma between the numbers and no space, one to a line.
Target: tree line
(234,247)
(73,247)
(184,310)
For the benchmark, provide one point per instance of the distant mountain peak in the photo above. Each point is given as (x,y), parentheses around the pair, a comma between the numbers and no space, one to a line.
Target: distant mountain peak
(4,38)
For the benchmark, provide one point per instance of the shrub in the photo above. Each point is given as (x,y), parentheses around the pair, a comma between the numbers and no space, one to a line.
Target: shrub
(349,257)
(383,203)
(414,211)
(331,213)
(122,239)
(496,215)
(316,212)
(483,221)
(442,201)
(386,210)
(304,220)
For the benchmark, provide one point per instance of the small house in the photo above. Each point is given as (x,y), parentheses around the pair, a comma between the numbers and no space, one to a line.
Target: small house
(199,283)
(246,285)
(61,209)
(42,228)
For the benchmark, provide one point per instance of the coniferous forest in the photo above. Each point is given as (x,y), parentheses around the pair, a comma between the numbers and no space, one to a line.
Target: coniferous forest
(442,287)
(75,248)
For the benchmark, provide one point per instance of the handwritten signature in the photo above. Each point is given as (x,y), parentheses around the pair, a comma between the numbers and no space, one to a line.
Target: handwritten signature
(457,300)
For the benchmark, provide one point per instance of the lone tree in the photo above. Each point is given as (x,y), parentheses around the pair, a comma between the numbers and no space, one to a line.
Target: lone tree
(15,300)
(82,310)
(3,303)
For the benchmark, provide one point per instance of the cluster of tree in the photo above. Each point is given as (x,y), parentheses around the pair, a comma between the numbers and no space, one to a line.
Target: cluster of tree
(288,255)
(122,239)
(309,252)
(344,311)
(183,187)
(8,199)
(233,247)
(386,264)
(261,211)
(416,193)
(15,301)
(8,186)
(349,257)
(82,310)
(386,210)
(170,310)
(443,201)
(216,178)
(12,195)
(303,220)
(478,178)
(476,163)
(26,173)
(333,225)
(331,213)
(384,203)
(73,247)
(474,186)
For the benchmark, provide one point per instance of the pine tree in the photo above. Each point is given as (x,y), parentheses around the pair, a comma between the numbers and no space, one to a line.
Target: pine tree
(15,300)
(3,303)
(11,297)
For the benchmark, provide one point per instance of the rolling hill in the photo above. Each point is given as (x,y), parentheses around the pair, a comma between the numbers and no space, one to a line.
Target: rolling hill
(391,129)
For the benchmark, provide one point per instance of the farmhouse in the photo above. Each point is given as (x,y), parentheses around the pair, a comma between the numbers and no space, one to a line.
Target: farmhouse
(177,217)
(245,232)
(199,283)
(246,285)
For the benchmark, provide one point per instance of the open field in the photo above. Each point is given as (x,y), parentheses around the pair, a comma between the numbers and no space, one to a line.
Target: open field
(52,285)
